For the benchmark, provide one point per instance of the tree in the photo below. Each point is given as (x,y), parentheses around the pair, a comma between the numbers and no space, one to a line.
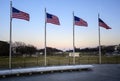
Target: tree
(108,49)
(4,48)
(50,50)
(22,48)
(118,48)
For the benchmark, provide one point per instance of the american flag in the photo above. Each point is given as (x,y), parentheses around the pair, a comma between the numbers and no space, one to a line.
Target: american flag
(19,14)
(52,19)
(103,24)
(80,22)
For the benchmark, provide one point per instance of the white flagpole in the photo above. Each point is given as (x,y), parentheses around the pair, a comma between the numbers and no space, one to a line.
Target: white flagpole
(45,37)
(73,40)
(10,48)
(99,41)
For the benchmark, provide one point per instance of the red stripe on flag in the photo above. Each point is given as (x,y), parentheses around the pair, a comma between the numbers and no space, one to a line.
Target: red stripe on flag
(21,15)
(53,19)
(103,24)
(81,23)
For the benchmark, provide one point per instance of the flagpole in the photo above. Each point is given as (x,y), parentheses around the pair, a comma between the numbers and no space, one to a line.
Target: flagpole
(10,48)
(99,41)
(45,38)
(73,40)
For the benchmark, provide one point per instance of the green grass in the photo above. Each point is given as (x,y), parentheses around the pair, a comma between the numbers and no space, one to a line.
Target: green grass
(20,62)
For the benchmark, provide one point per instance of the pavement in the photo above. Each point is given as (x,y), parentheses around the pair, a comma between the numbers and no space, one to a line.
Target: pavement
(100,72)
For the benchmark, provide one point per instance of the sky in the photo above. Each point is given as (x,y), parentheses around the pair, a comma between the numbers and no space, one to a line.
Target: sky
(61,36)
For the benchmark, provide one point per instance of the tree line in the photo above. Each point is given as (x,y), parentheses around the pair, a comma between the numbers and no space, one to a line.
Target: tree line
(20,48)
(104,49)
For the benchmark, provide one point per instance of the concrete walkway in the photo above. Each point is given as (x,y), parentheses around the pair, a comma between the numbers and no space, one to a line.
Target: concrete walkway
(44,69)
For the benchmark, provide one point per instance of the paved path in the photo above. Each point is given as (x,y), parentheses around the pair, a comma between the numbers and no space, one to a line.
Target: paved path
(44,69)
(104,72)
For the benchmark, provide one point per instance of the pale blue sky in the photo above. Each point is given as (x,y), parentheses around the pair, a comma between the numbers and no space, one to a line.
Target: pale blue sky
(32,32)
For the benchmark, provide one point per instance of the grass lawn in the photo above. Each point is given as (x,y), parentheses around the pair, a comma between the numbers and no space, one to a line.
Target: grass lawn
(20,62)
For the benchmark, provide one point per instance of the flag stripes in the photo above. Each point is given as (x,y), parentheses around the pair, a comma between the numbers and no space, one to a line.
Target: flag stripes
(52,19)
(79,22)
(103,24)
(19,14)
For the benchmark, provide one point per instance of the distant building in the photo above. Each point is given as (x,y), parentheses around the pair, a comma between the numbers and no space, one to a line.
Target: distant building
(74,54)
